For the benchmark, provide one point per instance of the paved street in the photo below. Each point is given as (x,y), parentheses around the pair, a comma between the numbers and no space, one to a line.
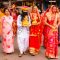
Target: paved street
(14,56)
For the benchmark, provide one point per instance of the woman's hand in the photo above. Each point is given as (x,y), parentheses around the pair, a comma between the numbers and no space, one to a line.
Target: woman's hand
(38,23)
(54,28)
(34,22)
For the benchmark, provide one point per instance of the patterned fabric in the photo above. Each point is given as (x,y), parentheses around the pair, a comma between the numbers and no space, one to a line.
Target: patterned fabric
(35,34)
(14,27)
(8,39)
(52,40)
(59,34)
(14,15)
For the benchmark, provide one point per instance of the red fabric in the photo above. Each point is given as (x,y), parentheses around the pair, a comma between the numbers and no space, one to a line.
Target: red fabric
(44,28)
(52,40)
(14,15)
(35,41)
(46,31)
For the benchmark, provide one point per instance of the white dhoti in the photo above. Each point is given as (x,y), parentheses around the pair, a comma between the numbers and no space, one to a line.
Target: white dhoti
(23,39)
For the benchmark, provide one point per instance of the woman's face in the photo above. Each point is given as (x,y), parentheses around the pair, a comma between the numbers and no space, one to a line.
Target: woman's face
(54,9)
(7,12)
(13,6)
(34,10)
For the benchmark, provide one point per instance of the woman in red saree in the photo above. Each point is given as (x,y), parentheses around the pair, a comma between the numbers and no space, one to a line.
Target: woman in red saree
(35,32)
(52,33)
(14,15)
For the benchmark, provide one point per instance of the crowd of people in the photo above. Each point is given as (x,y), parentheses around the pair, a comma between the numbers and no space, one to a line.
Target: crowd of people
(29,26)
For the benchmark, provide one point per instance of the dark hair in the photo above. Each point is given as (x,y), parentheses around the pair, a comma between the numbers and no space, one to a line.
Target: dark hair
(24,13)
(6,9)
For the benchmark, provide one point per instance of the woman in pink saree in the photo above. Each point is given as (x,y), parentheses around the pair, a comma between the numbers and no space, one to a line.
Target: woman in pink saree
(52,22)
(8,40)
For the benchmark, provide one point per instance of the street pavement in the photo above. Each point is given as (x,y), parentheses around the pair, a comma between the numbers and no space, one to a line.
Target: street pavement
(14,56)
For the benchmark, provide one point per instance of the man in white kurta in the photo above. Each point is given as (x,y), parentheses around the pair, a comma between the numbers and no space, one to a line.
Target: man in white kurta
(22,35)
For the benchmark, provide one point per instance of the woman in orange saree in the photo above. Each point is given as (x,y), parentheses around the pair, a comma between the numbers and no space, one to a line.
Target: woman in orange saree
(52,33)
(35,32)
(1,15)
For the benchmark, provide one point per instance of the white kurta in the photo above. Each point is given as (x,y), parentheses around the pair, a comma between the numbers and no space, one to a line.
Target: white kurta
(22,36)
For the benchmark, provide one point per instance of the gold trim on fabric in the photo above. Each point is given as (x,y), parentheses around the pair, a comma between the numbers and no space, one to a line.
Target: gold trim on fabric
(32,50)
